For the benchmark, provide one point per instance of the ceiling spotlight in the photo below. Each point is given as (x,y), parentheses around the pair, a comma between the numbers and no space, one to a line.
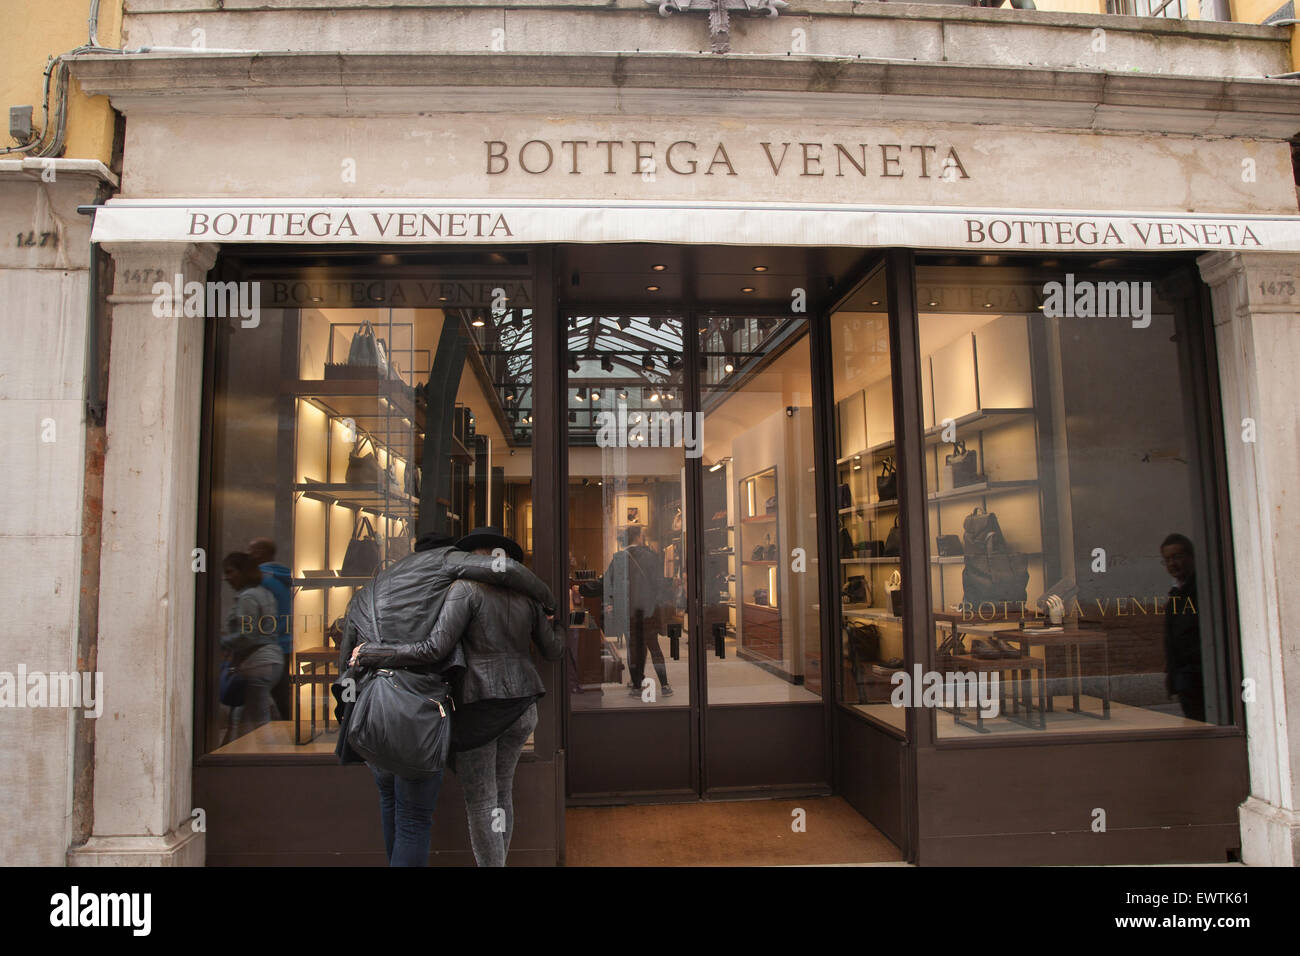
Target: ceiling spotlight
(622,393)
(668,396)
(624,322)
(648,362)
(573,363)
(729,366)
(595,395)
(933,303)
(658,267)
(581,395)
(443,298)
(674,361)
(875,302)
(988,305)
(656,323)
(654,396)
(510,395)
(652,288)
(607,363)
(760,268)
(478,322)
(748,288)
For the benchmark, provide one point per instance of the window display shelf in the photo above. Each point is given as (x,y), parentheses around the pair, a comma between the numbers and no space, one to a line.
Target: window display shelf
(759,564)
(868,506)
(758,519)
(982,488)
(984,416)
(865,453)
(388,503)
(313,584)
(890,560)
(361,400)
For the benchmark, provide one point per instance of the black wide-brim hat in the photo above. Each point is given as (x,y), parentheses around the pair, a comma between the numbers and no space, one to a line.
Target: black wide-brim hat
(491,538)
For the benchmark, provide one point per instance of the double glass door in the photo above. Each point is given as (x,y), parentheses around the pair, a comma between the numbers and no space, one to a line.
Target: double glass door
(695,662)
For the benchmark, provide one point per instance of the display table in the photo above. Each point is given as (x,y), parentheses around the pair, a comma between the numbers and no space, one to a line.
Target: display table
(321,668)
(1071,639)
(1024,670)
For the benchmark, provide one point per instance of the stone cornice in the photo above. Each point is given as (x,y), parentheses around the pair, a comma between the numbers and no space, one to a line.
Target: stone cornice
(649,83)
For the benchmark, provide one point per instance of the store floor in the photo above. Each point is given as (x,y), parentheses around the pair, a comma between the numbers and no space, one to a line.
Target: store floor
(731,833)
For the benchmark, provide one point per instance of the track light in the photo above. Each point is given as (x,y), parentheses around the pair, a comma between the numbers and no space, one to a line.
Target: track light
(729,366)
(581,395)
(624,322)
(607,363)
(573,363)
(648,363)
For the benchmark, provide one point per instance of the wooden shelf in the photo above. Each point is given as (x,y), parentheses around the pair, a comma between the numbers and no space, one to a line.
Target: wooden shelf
(758,519)
(932,435)
(761,564)
(870,506)
(315,584)
(982,488)
(367,497)
(894,560)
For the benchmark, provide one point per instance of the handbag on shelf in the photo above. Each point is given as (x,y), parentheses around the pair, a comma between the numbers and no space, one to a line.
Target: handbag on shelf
(887,480)
(949,545)
(895,589)
(962,465)
(361,560)
(411,479)
(771,552)
(994,576)
(758,553)
(399,545)
(857,590)
(893,541)
(769,506)
(402,723)
(367,350)
(847,547)
(871,549)
(760,597)
(845,497)
(363,469)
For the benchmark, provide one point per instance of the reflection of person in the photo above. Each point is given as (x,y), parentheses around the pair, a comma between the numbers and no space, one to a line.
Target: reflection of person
(277,579)
(635,574)
(250,641)
(496,696)
(1182,628)
(409,598)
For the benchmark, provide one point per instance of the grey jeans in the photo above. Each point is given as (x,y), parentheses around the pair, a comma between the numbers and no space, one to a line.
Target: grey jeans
(487,775)
(260,670)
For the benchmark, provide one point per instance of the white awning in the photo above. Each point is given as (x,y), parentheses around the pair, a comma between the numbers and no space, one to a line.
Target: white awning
(489,221)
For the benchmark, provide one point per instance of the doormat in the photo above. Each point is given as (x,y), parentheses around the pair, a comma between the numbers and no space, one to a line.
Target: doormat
(731,833)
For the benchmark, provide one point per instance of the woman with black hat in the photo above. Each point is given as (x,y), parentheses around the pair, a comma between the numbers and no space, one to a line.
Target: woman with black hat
(496,691)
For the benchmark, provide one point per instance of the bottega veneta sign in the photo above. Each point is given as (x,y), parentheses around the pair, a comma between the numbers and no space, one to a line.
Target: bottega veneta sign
(684,157)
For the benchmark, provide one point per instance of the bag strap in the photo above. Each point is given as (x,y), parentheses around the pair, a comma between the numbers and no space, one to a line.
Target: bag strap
(362,438)
(959,447)
(362,523)
(887,467)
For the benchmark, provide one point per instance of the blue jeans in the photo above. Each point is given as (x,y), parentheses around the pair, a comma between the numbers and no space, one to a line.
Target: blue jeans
(406,808)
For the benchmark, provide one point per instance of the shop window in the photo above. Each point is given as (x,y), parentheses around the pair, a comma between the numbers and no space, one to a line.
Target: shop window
(1072,563)
(340,433)
(868,547)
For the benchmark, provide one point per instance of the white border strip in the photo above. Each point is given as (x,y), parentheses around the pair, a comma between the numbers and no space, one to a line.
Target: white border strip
(488,221)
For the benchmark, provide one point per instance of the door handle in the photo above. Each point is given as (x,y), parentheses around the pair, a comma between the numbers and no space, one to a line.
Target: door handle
(720,640)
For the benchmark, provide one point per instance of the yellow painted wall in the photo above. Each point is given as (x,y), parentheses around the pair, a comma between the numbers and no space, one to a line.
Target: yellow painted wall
(37,29)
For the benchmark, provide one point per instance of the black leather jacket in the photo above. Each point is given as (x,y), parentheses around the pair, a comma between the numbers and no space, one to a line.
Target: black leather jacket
(402,604)
(493,629)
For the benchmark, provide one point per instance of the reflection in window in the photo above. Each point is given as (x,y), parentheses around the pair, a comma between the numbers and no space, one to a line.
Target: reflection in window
(1066,505)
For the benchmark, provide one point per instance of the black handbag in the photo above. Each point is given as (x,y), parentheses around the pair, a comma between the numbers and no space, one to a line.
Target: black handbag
(771,552)
(855,590)
(361,560)
(846,541)
(871,549)
(845,497)
(758,553)
(402,723)
(863,642)
(994,576)
(887,480)
(760,597)
(978,528)
(362,469)
(411,477)
(893,541)
(962,465)
(368,350)
(949,545)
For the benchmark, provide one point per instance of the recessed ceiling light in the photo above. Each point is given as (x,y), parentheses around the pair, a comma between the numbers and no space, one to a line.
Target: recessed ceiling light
(988,305)
(478,322)
(658,267)
(875,302)
(748,288)
(652,288)
(933,303)
(442,298)
(760,268)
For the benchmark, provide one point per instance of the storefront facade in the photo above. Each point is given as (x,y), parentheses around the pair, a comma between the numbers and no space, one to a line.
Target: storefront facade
(862,305)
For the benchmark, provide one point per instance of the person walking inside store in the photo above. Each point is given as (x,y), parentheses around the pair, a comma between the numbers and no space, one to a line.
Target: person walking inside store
(634,589)
(249,640)
(276,578)
(495,692)
(390,623)
(1183,628)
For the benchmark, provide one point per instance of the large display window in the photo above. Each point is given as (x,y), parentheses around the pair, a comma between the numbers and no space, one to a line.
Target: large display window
(1073,548)
(358,414)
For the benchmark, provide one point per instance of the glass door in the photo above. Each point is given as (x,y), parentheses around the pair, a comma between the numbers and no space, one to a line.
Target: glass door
(761,616)
(632,728)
